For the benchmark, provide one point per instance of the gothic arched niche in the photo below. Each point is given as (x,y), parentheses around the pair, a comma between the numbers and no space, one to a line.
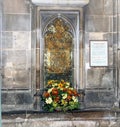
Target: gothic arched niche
(58,55)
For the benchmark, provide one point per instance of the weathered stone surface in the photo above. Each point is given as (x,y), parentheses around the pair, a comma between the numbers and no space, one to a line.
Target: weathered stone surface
(16,58)
(107,79)
(0,21)
(94,77)
(16,79)
(23,98)
(99,78)
(7,57)
(33,21)
(33,39)
(9,125)
(95,7)
(7,83)
(16,22)
(15,6)
(110,38)
(96,36)
(97,23)
(8,73)
(60,119)
(111,22)
(7,42)
(19,59)
(108,7)
(22,79)
(118,6)
(29,58)
(119,23)
(104,123)
(0,60)
(99,99)
(0,42)
(1,5)
(8,98)
(46,123)
(118,39)
(119,58)
(114,124)
(115,27)
(114,7)
(21,40)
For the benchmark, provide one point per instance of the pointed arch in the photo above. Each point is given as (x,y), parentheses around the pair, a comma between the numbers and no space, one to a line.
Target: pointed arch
(58,45)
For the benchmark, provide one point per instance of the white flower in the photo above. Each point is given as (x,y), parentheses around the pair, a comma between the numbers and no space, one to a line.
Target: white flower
(48,100)
(71,88)
(49,91)
(74,99)
(67,85)
(64,96)
(55,84)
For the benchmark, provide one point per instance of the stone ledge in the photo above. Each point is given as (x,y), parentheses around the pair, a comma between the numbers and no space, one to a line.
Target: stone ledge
(60,119)
(79,3)
(83,119)
(58,116)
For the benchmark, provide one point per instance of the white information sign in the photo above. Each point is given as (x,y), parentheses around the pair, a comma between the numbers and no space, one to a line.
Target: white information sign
(98,53)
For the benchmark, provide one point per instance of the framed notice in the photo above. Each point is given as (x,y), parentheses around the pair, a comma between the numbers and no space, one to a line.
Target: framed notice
(98,53)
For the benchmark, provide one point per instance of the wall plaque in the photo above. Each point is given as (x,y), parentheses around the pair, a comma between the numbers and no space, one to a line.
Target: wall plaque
(98,53)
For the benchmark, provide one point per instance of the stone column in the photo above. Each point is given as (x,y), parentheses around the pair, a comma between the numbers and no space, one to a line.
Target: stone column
(117,14)
(0,58)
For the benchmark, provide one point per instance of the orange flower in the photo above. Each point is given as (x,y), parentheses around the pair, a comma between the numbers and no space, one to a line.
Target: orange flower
(69,91)
(75,93)
(55,91)
(65,89)
(46,94)
(69,97)
(57,99)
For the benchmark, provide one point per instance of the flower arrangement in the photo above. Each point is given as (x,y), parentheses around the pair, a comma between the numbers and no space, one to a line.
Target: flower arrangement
(59,96)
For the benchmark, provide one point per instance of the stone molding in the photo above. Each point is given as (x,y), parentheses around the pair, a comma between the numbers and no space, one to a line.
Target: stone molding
(79,3)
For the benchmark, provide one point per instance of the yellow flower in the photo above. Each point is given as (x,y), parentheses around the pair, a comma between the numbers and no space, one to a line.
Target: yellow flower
(60,85)
(64,102)
(49,100)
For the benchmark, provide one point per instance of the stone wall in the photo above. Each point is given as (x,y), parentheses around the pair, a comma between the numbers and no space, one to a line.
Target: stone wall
(101,82)
(101,22)
(16,55)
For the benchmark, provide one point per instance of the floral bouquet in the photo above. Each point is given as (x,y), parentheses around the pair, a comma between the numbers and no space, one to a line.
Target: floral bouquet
(59,96)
